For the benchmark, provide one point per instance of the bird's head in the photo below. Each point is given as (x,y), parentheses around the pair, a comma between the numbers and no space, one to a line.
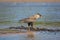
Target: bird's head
(38,15)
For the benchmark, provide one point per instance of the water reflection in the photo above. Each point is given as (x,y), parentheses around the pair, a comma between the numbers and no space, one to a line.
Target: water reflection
(30,35)
(41,35)
(30,38)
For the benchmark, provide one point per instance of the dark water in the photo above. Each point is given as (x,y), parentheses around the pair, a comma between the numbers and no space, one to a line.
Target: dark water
(42,35)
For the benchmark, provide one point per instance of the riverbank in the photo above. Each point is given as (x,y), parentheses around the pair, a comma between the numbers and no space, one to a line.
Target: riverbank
(6,33)
(22,31)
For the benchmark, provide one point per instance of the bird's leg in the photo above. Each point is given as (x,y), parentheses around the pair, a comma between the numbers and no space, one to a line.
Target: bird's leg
(29,26)
(32,24)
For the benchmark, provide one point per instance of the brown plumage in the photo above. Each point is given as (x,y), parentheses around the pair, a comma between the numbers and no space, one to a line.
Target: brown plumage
(31,20)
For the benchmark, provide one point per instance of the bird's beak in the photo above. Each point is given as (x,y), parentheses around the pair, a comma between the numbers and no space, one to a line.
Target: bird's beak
(40,16)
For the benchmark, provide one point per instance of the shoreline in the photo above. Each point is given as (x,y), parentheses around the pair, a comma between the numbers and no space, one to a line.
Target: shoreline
(12,33)
(28,32)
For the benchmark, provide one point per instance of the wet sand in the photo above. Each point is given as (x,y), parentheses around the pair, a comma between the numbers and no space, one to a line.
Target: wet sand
(12,33)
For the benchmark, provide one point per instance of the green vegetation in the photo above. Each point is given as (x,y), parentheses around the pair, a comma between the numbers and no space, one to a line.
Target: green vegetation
(48,23)
(5,22)
(36,23)
(8,31)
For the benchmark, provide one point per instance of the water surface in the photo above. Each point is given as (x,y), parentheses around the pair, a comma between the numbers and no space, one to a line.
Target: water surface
(42,35)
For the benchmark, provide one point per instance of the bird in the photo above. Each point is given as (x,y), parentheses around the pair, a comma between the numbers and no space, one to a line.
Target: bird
(31,20)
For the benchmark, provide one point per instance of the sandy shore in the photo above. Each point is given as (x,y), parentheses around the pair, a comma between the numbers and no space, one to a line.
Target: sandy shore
(5,34)
(11,34)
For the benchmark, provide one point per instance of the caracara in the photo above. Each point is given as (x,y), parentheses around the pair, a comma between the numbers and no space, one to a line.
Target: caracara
(30,20)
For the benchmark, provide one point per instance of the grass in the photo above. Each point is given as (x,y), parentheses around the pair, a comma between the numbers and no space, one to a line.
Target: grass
(5,22)
(3,31)
(36,23)
(48,23)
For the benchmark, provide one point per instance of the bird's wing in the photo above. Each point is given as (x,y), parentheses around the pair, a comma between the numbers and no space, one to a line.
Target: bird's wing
(28,20)
(24,20)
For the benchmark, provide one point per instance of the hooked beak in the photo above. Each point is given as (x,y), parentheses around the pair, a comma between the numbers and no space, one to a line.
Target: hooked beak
(40,16)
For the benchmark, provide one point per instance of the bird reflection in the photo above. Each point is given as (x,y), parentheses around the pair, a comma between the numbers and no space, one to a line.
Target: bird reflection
(30,36)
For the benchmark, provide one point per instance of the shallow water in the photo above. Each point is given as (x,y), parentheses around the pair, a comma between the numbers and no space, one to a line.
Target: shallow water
(42,35)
